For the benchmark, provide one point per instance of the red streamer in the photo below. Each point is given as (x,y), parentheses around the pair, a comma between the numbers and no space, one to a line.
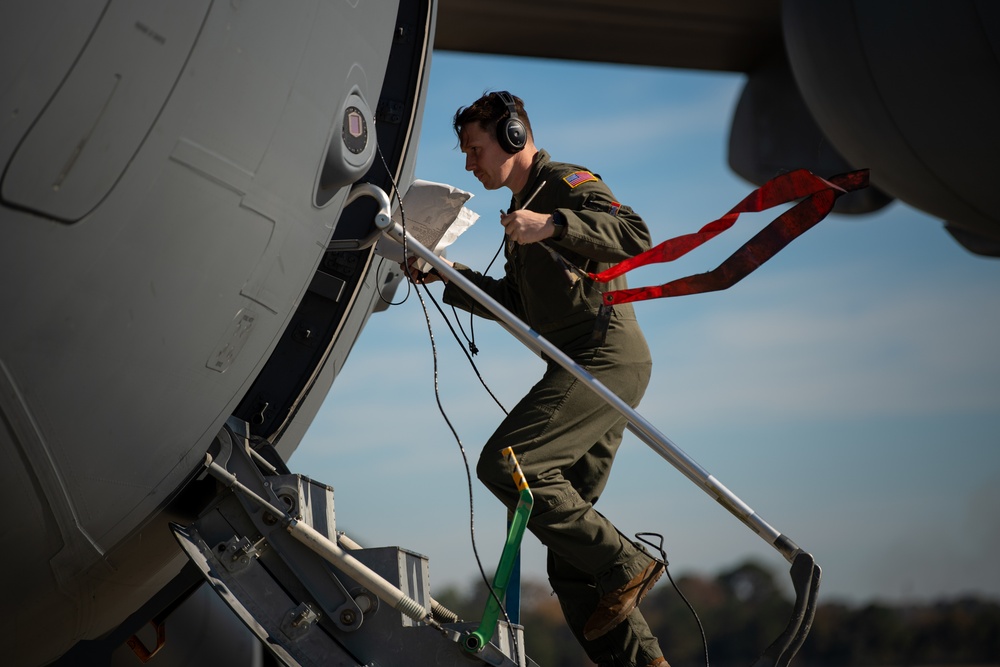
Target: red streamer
(820,195)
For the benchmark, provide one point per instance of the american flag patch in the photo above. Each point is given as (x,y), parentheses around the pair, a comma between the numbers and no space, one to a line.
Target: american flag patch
(615,207)
(578,177)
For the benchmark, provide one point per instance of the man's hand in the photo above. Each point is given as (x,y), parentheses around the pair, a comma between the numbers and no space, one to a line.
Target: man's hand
(527,226)
(414,275)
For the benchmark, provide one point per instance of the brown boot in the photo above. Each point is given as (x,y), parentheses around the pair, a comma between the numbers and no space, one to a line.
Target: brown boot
(619,603)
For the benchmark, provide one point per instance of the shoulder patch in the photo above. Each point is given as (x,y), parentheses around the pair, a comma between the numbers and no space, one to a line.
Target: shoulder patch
(598,202)
(579,177)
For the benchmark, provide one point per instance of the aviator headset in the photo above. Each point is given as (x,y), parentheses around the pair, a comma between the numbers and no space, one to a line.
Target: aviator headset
(511,133)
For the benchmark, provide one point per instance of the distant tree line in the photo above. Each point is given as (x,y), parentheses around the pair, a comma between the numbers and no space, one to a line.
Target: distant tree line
(743,610)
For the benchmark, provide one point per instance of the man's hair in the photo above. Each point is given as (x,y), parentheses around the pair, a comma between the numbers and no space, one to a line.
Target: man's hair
(487,111)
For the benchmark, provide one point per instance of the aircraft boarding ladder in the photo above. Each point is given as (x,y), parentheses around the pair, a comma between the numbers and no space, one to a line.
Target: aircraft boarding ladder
(269,547)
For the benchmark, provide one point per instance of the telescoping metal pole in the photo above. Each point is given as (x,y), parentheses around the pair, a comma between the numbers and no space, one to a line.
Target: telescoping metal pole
(805,572)
(637,424)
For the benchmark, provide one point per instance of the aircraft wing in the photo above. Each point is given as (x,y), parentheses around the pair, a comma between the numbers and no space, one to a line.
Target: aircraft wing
(715,35)
(907,91)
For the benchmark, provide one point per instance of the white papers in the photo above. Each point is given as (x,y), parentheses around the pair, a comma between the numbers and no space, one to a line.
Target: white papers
(435,216)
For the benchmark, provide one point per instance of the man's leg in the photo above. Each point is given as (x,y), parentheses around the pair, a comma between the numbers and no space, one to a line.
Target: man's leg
(551,430)
(631,642)
(565,437)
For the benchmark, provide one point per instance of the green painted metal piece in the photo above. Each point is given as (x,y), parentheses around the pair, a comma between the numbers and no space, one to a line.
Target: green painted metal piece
(476,640)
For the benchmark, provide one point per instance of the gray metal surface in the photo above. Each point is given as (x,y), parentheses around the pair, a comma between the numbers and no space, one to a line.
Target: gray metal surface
(172,178)
(314,606)
(714,34)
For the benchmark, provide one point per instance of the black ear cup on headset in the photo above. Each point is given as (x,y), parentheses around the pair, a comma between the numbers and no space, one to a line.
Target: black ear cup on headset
(511,133)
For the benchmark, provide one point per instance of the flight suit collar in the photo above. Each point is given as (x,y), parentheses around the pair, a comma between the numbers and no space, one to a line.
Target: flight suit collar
(541,159)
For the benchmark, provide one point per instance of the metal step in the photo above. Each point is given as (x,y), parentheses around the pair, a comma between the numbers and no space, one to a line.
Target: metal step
(265,546)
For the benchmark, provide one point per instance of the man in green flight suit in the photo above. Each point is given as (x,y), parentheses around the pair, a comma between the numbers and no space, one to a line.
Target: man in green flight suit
(563,434)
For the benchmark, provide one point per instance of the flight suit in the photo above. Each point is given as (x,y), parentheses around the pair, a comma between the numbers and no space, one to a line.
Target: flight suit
(564,435)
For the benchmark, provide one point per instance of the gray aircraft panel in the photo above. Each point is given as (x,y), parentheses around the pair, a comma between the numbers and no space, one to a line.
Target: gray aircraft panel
(93,126)
(140,313)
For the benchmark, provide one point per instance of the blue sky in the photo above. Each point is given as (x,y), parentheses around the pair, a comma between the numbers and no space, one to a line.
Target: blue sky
(848,391)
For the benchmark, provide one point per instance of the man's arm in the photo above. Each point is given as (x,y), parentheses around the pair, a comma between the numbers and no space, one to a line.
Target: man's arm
(599,227)
(503,291)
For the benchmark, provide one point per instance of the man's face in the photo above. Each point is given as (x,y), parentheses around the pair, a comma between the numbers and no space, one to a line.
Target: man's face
(485,158)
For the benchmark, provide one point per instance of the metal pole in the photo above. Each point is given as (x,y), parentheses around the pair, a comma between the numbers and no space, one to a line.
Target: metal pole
(327,549)
(637,424)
